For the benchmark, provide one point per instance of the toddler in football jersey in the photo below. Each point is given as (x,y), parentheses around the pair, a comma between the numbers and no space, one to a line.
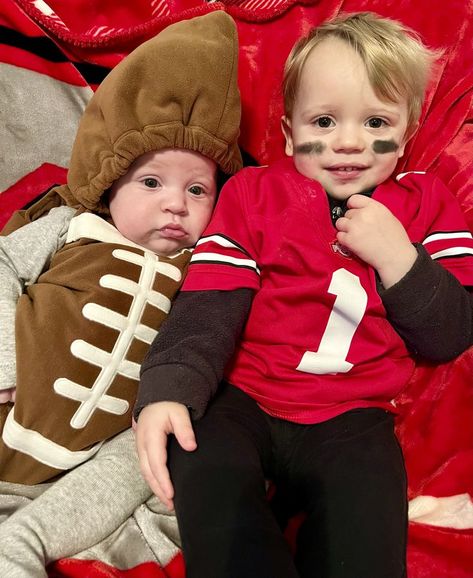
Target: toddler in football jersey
(297,295)
(87,275)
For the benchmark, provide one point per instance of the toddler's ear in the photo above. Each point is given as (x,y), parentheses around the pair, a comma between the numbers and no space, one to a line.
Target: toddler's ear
(287,132)
(407,138)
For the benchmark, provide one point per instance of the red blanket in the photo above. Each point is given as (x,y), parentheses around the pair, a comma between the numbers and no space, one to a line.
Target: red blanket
(51,59)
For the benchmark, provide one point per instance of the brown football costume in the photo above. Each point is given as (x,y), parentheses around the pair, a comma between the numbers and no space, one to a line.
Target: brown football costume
(84,327)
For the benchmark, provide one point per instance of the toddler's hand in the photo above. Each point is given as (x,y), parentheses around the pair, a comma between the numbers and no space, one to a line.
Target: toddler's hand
(374,234)
(8,395)
(155,423)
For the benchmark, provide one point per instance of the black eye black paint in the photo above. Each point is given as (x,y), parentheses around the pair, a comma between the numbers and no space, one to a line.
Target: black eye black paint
(310,148)
(382,147)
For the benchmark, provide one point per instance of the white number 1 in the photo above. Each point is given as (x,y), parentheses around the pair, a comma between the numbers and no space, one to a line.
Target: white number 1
(347,312)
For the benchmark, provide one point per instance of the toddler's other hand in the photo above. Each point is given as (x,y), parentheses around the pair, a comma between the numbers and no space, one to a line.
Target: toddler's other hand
(376,236)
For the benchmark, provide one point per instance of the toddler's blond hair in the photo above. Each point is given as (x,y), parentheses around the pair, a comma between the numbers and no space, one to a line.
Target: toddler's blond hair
(397,62)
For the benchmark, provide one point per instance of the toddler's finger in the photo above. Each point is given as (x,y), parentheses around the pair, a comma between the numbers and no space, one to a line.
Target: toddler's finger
(182,428)
(157,463)
(157,482)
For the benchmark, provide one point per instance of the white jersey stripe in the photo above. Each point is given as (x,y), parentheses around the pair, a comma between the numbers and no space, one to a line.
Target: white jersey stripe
(453,252)
(212,257)
(445,236)
(222,241)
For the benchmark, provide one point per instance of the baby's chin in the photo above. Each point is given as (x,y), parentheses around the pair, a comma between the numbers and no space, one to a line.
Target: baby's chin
(167,249)
(162,246)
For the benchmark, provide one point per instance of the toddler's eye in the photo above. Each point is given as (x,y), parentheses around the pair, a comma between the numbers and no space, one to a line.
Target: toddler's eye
(376,122)
(151,183)
(324,122)
(196,190)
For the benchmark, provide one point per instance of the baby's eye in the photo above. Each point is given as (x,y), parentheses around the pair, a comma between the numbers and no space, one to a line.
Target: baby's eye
(196,190)
(151,183)
(376,122)
(324,122)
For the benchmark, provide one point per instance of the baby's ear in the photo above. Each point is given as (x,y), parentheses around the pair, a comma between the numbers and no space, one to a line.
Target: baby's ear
(287,132)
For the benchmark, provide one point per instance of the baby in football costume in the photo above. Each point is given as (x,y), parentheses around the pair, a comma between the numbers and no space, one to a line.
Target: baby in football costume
(298,294)
(88,274)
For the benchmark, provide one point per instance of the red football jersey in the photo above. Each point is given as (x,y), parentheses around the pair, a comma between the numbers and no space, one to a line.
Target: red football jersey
(317,341)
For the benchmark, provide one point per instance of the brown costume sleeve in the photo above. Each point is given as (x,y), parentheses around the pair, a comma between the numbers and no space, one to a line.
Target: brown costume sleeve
(431,310)
(187,358)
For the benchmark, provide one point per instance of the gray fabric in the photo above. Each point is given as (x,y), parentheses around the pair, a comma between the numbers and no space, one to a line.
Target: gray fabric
(75,513)
(39,118)
(23,256)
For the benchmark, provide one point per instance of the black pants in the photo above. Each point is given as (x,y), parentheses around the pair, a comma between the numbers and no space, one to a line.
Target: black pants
(346,474)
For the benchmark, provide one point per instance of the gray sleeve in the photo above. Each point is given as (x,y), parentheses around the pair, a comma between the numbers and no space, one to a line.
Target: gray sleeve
(24,254)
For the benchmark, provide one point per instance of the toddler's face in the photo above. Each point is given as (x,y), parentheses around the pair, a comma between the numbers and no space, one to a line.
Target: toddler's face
(340,133)
(165,200)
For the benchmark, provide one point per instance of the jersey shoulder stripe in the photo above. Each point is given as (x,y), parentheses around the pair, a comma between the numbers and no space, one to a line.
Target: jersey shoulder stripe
(219,249)
(448,244)
(216,259)
(446,235)
(222,241)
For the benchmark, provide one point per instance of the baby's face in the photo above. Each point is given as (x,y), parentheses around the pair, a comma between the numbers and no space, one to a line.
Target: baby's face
(165,200)
(340,133)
